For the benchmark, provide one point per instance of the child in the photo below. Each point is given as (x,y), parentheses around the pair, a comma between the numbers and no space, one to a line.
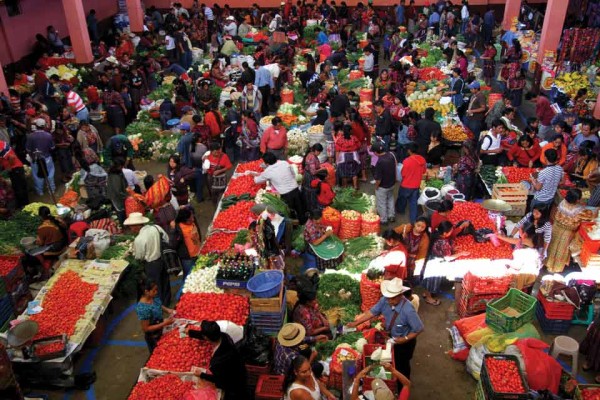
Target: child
(387,44)
(325,194)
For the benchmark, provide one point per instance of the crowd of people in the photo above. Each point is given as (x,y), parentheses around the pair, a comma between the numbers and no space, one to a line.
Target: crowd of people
(52,125)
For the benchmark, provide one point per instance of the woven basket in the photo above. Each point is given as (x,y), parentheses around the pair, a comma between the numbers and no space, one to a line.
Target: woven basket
(370,293)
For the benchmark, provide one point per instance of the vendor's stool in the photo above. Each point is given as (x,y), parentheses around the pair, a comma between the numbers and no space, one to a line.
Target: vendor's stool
(567,346)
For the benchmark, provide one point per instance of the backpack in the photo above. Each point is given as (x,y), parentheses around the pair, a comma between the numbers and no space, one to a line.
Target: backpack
(481,141)
(169,256)
(118,149)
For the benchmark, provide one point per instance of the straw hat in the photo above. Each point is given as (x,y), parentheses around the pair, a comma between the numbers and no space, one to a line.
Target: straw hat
(291,334)
(393,288)
(380,390)
(135,218)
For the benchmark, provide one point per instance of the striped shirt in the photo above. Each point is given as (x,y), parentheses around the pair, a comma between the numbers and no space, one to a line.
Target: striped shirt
(75,101)
(546,229)
(550,178)
(208,13)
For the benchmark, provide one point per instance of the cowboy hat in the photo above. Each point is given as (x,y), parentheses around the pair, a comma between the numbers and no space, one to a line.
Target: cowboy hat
(230,18)
(380,390)
(291,334)
(393,288)
(135,218)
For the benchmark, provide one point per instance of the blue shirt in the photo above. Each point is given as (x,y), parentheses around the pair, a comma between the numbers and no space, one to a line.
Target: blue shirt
(580,139)
(400,14)
(183,148)
(434,18)
(263,78)
(406,322)
(322,38)
(41,141)
(489,19)
(150,312)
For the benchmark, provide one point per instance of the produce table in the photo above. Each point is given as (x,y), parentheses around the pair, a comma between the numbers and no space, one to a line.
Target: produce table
(104,274)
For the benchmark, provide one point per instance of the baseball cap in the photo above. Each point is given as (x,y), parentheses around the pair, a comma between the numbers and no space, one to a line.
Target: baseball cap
(377,148)
(186,108)
(475,85)
(40,122)
(184,126)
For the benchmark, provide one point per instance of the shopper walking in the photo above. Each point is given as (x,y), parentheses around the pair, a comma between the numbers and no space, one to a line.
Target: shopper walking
(385,179)
(11,163)
(547,181)
(274,139)
(187,240)
(475,110)
(39,146)
(413,169)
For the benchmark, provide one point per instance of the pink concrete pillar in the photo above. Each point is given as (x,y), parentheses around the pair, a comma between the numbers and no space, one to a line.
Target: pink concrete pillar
(512,8)
(3,84)
(597,108)
(78,32)
(136,15)
(554,20)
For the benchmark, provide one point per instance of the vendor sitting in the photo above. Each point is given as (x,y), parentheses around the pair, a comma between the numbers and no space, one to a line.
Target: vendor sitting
(586,164)
(52,233)
(292,342)
(307,313)
(316,233)
(393,241)
(441,215)
(527,238)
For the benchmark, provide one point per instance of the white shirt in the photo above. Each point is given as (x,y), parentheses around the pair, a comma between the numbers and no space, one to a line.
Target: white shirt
(146,245)
(230,29)
(369,63)
(493,144)
(281,175)
(464,12)
(208,13)
(169,42)
(130,177)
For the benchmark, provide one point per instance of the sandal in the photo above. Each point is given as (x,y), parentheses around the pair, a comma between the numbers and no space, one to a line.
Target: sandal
(433,302)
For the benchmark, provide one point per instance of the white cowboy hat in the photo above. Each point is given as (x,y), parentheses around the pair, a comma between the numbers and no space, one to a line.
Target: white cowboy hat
(291,334)
(135,218)
(393,288)
(230,18)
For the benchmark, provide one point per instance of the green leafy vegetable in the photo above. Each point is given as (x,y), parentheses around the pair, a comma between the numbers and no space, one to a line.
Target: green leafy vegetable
(277,204)
(326,349)
(350,199)
(360,245)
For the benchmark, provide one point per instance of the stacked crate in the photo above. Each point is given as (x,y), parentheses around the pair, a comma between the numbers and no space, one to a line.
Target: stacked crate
(554,316)
(478,291)
(514,194)
(268,314)
(13,283)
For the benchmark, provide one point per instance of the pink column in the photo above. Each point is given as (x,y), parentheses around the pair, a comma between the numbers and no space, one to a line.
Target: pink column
(3,84)
(511,10)
(597,108)
(554,19)
(136,15)
(78,32)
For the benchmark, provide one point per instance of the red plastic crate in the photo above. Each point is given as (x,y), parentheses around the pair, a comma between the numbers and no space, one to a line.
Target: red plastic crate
(556,309)
(471,304)
(589,253)
(335,380)
(368,349)
(583,231)
(254,372)
(13,277)
(269,387)
(483,285)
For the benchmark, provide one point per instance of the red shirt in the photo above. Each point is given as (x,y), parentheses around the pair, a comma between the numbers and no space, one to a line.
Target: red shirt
(218,163)
(522,156)
(272,140)
(543,111)
(8,157)
(360,133)
(326,196)
(347,145)
(213,122)
(414,167)
(436,219)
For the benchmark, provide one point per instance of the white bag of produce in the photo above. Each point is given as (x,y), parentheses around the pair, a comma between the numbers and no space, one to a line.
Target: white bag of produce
(430,193)
(101,240)
(475,360)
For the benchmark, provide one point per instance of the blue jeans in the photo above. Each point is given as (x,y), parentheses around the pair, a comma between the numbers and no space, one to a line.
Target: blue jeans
(83,115)
(199,182)
(409,196)
(475,127)
(187,264)
(38,183)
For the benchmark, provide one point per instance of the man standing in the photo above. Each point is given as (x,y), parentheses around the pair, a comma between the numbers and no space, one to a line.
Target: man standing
(75,102)
(547,181)
(185,143)
(385,179)
(283,179)
(92,25)
(400,20)
(476,110)
(402,323)
(383,123)
(464,16)
(248,74)
(264,82)
(251,100)
(425,128)
(457,84)
(147,248)
(11,163)
(489,22)
(274,139)
(413,169)
(210,18)
(544,113)
(491,144)
(39,146)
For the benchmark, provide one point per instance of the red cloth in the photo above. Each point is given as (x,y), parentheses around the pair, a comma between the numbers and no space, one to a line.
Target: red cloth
(414,167)
(543,111)
(436,219)
(562,154)
(522,156)
(8,157)
(396,270)
(77,230)
(213,122)
(222,162)
(543,371)
(326,196)
(346,145)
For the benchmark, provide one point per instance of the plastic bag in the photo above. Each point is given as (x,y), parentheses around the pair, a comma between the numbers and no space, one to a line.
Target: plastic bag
(203,393)
(467,325)
(256,348)
(543,371)
(101,240)
(475,360)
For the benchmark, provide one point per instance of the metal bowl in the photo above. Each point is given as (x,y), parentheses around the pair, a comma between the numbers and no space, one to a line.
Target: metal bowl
(496,205)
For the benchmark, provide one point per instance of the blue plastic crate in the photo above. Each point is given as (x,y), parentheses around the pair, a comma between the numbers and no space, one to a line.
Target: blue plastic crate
(6,309)
(551,326)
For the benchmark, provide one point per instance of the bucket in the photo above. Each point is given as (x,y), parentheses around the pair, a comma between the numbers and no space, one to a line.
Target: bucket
(430,207)
(361,63)
(451,193)
(493,98)
(366,95)
(356,74)
(297,164)
(287,96)
(458,197)
(363,43)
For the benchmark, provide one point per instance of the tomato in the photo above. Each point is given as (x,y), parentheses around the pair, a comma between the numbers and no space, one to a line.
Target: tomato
(214,307)
(217,242)
(517,174)
(166,387)
(48,348)
(236,217)
(242,185)
(591,393)
(176,354)
(504,375)
(8,264)
(255,166)
(64,305)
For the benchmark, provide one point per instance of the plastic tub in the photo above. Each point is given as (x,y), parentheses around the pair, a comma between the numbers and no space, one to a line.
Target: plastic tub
(265,284)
